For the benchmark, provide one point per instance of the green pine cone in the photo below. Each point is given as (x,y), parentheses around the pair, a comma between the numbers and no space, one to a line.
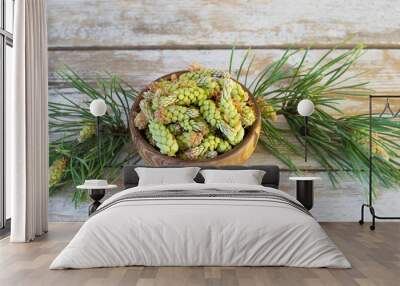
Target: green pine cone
(228,109)
(199,151)
(227,130)
(160,100)
(165,87)
(247,116)
(210,112)
(238,93)
(191,95)
(175,129)
(210,142)
(189,140)
(194,153)
(87,132)
(238,137)
(163,138)
(56,171)
(200,125)
(175,113)
(203,78)
(223,146)
(168,100)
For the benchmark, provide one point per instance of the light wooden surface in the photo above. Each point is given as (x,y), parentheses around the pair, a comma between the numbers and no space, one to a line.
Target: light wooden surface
(205,23)
(142,40)
(380,68)
(375,257)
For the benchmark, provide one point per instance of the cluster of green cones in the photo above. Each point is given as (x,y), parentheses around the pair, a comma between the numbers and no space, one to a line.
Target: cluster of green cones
(197,115)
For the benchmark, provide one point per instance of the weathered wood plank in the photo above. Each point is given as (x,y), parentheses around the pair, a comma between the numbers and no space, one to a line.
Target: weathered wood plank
(380,68)
(204,23)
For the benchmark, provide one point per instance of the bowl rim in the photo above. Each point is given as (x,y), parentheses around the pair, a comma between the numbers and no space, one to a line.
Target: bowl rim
(136,134)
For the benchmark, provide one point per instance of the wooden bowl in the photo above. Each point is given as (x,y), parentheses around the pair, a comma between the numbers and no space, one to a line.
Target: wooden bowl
(236,156)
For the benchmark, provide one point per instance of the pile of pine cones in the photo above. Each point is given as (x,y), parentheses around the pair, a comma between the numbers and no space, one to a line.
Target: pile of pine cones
(197,115)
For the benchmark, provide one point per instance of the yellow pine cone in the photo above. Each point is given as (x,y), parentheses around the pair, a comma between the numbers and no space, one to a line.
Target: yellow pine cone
(197,125)
(87,132)
(247,116)
(238,93)
(56,171)
(266,109)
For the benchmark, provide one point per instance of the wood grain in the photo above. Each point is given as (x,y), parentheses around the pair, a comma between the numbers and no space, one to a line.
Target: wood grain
(143,40)
(378,67)
(138,68)
(375,258)
(381,68)
(122,24)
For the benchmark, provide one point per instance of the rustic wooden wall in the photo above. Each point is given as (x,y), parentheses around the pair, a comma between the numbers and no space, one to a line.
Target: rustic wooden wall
(141,40)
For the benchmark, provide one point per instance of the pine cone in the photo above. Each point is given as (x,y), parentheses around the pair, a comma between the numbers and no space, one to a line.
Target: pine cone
(210,112)
(238,93)
(163,139)
(175,113)
(247,116)
(189,140)
(87,132)
(56,171)
(226,130)
(228,110)
(223,146)
(238,137)
(211,143)
(194,153)
(266,109)
(196,125)
(175,129)
(203,79)
(189,93)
